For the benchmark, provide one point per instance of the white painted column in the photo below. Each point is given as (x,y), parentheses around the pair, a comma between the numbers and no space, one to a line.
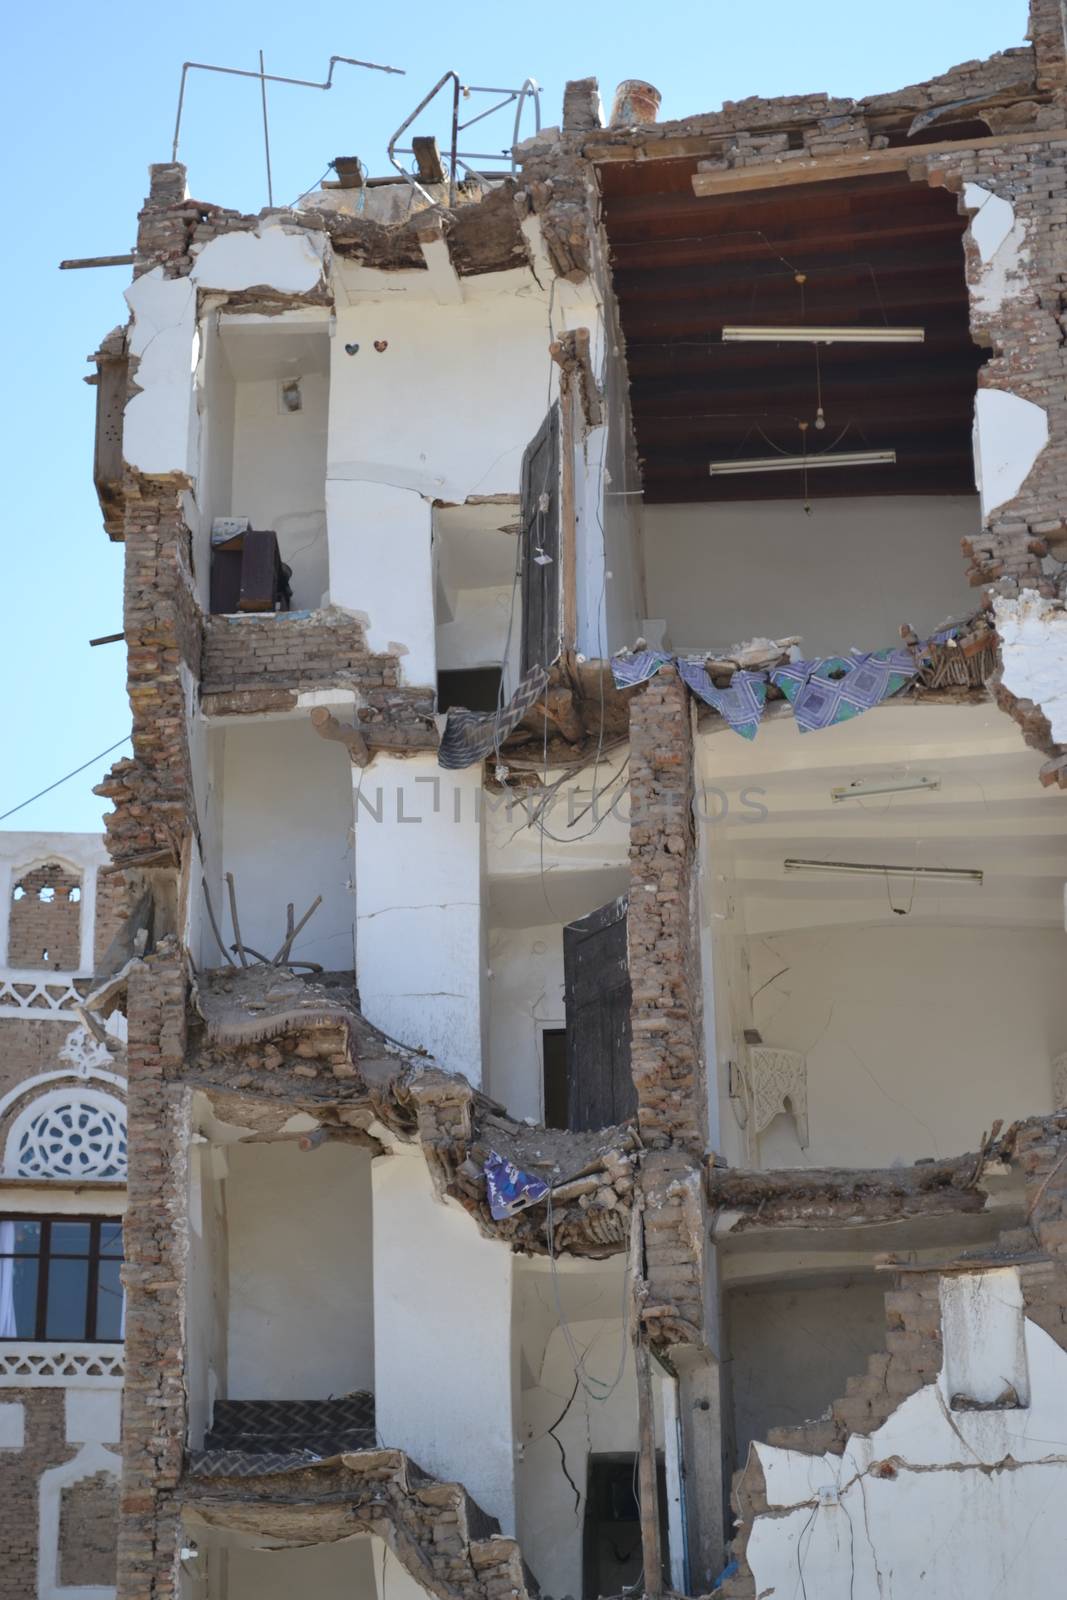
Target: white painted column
(87,924)
(442,1337)
(6,881)
(420,926)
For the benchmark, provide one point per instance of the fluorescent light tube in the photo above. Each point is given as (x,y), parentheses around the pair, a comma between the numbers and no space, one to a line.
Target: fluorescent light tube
(803,335)
(859,791)
(874,869)
(828,458)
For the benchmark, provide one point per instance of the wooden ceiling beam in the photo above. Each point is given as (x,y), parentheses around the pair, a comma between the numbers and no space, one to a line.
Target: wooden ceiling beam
(831,169)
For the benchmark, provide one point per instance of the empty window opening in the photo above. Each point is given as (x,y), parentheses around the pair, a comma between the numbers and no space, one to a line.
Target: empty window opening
(612,1556)
(19,893)
(46,895)
(475,689)
(554,1076)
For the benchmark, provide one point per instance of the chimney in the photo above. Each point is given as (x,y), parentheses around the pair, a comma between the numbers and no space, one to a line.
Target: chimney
(636,102)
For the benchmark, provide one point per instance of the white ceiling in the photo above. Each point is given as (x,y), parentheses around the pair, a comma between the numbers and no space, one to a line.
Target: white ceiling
(990,813)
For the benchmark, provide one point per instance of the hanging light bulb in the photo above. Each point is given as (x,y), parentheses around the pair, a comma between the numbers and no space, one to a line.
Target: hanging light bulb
(820,419)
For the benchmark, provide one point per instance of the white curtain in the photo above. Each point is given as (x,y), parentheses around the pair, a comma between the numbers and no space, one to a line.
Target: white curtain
(8,1329)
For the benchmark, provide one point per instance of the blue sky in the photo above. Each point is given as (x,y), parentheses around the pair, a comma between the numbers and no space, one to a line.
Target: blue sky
(90,97)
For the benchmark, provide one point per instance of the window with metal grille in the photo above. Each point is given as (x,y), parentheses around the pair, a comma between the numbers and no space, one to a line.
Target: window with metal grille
(59,1279)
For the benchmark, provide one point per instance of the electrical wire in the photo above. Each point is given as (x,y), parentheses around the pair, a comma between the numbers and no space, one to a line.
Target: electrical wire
(85,764)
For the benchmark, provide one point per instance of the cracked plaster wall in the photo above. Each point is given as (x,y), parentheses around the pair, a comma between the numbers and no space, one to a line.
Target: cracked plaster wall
(937,1501)
(421,956)
(911,1023)
(550,1521)
(444,1389)
(1033,643)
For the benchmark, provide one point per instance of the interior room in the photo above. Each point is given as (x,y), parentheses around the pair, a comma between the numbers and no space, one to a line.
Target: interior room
(885,925)
(802,379)
(264,392)
(281,793)
(577,1432)
(476,603)
(538,886)
(281,1301)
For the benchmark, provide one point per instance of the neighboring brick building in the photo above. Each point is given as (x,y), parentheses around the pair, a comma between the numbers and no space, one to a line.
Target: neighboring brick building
(62,1196)
(584,889)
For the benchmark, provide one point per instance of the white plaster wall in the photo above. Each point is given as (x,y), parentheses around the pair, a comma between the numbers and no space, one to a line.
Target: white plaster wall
(421,958)
(477,633)
(381,568)
(279,477)
(443,412)
(160,426)
(291,260)
(443,1358)
(207,1291)
(968,1502)
(849,574)
(1009,435)
(525,995)
(286,836)
(915,1038)
(1033,639)
(301,1294)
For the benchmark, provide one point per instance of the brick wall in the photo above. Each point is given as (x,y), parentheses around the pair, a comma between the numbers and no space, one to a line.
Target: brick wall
(152,793)
(260,662)
(20,1470)
(666,1055)
(28,1048)
(112,907)
(155,1242)
(88,1531)
(44,922)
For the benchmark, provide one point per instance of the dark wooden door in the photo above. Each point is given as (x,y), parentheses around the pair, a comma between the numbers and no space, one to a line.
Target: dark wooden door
(540,546)
(596,984)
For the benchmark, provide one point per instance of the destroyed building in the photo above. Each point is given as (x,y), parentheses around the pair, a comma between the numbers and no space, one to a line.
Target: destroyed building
(594,850)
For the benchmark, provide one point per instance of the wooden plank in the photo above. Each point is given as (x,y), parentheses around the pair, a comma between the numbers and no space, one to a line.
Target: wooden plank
(825,169)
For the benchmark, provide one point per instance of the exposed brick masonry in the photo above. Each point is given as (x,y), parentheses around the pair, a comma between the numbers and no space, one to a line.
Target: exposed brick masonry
(261,662)
(155,1243)
(88,1530)
(152,793)
(44,922)
(666,1059)
(20,1471)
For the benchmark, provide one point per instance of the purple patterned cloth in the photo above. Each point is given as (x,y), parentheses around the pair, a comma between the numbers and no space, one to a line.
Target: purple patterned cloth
(740,706)
(638,667)
(835,688)
(510,1189)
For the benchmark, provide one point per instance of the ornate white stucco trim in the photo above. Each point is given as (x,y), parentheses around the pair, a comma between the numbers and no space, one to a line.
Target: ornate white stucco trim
(28,1364)
(778,1084)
